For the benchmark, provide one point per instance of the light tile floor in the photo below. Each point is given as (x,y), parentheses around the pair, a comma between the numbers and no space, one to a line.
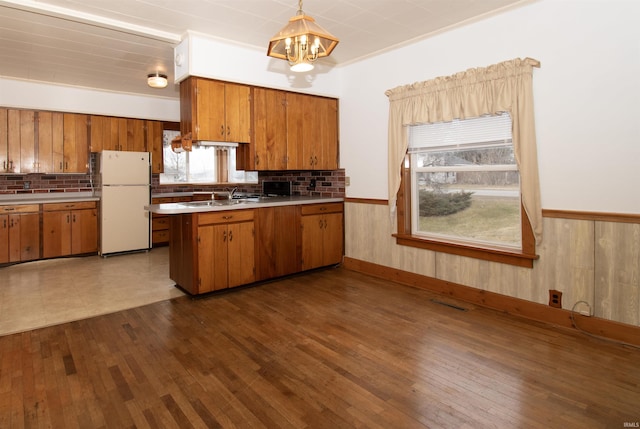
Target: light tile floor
(44,293)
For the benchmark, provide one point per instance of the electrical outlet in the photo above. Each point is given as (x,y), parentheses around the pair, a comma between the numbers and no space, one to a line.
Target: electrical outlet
(347,181)
(26,184)
(555,298)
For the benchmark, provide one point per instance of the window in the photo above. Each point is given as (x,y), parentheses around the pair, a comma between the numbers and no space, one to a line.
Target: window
(465,185)
(459,171)
(203,164)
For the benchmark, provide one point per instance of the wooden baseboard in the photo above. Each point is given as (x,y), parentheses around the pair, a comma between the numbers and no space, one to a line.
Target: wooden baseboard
(515,306)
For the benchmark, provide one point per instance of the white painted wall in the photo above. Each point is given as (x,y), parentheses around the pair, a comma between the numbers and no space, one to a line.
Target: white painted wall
(42,96)
(215,59)
(586,97)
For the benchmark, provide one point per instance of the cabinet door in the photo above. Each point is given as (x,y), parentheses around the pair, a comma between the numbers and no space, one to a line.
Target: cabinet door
(135,141)
(277,242)
(333,238)
(301,121)
(56,234)
(154,145)
(241,253)
(21,143)
(312,236)
(209,106)
(212,258)
(24,237)
(104,133)
(4,146)
(237,113)
(270,129)
(50,142)
(76,149)
(4,238)
(326,138)
(84,231)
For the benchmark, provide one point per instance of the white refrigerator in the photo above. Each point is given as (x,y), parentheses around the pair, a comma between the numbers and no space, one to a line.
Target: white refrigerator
(125,185)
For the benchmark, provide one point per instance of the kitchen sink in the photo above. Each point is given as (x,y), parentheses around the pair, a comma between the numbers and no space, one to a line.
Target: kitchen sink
(219,203)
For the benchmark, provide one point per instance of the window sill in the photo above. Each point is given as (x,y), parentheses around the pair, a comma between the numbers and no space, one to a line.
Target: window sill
(504,256)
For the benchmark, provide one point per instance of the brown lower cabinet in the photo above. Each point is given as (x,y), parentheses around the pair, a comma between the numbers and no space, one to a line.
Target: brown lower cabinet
(277,238)
(216,250)
(213,250)
(19,233)
(322,235)
(69,229)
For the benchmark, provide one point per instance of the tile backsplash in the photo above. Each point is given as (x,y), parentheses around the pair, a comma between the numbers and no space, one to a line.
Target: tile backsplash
(327,183)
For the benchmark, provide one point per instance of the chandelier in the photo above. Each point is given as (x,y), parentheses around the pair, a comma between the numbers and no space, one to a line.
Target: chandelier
(301,42)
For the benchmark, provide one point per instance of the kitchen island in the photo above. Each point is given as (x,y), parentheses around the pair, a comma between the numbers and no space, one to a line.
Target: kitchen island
(220,244)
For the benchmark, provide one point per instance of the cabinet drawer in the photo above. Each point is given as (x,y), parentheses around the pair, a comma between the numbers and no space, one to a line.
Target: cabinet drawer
(160,236)
(225,217)
(159,223)
(54,207)
(313,209)
(23,208)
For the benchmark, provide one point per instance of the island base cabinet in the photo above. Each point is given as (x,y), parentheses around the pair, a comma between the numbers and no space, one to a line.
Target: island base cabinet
(322,235)
(277,242)
(212,251)
(225,256)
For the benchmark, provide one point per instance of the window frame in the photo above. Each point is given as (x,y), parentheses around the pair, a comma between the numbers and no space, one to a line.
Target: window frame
(494,253)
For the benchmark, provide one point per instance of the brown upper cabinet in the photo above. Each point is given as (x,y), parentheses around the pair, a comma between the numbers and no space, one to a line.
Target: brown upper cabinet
(270,135)
(18,142)
(75,145)
(43,142)
(154,145)
(110,133)
(50,142)
(312,132)
(215,111)
(293,131)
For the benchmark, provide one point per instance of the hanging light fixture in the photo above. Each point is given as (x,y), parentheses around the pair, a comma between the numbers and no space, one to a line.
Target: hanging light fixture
(157,80)
(301,42)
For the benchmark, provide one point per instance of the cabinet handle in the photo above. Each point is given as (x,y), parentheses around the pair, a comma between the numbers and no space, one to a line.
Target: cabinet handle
(4,165)
(74,218)
(228,131)
(227,217)
(4,223)
(10,165)
(11,224)
(68,219)
(224,236)
(60,165)
(222,130)
(320,223)
(325,224)
(9,209)
(230,235)
(257,159)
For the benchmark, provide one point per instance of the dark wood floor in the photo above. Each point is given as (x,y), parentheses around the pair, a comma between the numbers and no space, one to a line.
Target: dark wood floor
(329,349)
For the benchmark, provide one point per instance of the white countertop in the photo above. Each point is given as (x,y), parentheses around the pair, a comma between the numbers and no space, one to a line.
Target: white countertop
(43,198)
(222,205)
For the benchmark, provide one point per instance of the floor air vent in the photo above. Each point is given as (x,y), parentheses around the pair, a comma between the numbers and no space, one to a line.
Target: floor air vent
(447,304)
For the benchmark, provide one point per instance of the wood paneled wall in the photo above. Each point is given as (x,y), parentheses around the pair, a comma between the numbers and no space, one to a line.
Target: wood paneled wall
(590,260)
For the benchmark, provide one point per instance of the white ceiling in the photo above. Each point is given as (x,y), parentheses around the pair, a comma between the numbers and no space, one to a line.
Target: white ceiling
(114,44)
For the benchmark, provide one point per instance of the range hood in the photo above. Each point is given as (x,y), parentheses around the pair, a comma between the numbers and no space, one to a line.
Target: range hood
(216,144)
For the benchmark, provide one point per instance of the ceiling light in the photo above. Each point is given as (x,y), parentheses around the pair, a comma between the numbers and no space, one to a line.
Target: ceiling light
(301,42)
(157,80)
